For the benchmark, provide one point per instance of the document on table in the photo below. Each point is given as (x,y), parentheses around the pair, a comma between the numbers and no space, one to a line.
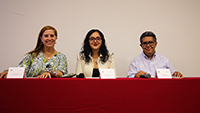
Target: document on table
(16,72)
(163,73)
(107,74)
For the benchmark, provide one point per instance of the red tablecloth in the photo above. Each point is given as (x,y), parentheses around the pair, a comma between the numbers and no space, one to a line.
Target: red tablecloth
(124,95)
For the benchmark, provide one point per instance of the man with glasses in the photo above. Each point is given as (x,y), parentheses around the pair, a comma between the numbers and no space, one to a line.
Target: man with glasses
(148,61)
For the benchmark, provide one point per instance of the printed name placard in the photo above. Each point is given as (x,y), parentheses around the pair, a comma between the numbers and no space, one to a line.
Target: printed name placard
(16,72)
(163,73)
(107,74)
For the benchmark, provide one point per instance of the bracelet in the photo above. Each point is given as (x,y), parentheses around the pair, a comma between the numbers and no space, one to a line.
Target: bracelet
(46,71)
(54,72)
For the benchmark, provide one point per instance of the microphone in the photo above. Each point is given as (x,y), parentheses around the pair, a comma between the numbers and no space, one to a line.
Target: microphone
(48,66)
(145,76)
(81,75)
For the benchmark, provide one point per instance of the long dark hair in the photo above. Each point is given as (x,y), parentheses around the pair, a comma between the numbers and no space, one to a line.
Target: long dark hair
(40,45)
(87,50)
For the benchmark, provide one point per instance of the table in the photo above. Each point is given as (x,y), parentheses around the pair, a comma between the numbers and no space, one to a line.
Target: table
(124,95)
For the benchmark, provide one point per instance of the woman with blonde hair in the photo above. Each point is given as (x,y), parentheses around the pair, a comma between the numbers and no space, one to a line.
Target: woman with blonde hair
(44,61)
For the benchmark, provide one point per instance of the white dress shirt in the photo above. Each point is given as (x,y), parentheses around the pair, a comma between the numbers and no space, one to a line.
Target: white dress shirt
(143,63)
(87,68)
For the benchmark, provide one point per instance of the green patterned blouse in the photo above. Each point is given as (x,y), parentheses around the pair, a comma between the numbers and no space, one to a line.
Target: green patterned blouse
(36,65)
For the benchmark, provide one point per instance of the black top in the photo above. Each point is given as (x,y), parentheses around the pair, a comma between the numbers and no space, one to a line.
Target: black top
(95,72)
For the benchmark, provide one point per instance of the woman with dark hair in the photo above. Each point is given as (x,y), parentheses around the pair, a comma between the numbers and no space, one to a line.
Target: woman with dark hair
(44,61)
(94,55)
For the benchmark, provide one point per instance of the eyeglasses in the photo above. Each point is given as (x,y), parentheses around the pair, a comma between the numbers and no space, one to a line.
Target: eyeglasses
(92,39)
(150,43)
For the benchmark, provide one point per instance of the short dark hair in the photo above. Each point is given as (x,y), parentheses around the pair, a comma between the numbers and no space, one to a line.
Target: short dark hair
(148,33)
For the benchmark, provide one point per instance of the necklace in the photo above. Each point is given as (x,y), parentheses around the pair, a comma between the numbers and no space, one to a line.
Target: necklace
(95,60)
(48,56)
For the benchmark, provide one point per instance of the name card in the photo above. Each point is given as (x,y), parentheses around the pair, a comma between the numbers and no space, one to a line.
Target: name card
(16,72)
(107,74)
(163,73)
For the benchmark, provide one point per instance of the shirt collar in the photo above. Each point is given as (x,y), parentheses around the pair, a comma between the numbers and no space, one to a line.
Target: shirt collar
(147,57)
(99,55)
(40,55)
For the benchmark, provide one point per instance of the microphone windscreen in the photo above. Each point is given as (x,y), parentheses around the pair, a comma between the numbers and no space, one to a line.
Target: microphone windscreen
(81,75)
(145,76)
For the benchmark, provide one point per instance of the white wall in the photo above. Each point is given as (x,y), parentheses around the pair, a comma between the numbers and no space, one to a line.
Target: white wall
(175,22)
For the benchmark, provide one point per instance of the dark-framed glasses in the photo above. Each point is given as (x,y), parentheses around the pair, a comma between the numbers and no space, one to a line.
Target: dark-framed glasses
(92,39)
(150,43)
